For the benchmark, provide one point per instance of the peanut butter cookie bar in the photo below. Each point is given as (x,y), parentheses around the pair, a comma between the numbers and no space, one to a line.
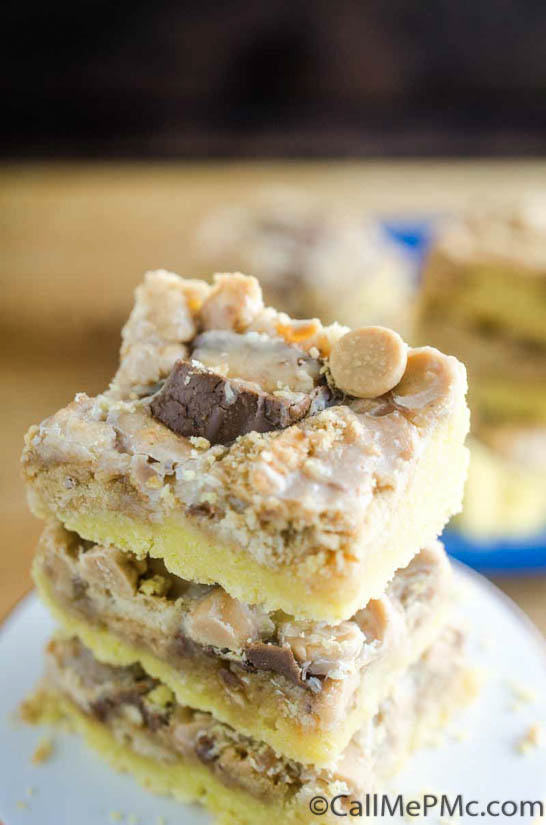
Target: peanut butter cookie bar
(297,466)
(484,299)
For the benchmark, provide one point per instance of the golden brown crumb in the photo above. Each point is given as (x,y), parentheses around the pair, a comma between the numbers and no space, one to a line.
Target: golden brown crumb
(460,734)
(154,586)
(30,709)
(522,693)
(160,696)
(43,751)
(199,442)
(530,739)
(435,738)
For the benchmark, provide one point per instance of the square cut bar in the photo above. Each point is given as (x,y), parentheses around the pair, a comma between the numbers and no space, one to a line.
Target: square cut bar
(136,723)
(243,448)
(302,687)
(484,299)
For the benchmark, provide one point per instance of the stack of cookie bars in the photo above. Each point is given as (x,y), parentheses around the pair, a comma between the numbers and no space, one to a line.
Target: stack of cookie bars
(241,552)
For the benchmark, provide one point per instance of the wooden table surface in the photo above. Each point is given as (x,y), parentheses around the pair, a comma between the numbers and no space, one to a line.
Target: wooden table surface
(76,238)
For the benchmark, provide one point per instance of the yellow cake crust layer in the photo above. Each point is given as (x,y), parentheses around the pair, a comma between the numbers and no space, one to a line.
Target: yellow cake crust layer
(510,296)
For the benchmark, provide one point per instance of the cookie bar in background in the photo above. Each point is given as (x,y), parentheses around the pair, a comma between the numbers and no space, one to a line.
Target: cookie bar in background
(505,494)
(294,464)
(302,687)
(313,258)
(484,300)
(137,724)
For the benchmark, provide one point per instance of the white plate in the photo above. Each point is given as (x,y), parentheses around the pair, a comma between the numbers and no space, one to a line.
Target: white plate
(75,787)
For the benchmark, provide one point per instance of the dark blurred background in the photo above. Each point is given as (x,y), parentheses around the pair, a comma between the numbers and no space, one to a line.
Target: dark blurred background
(277,78)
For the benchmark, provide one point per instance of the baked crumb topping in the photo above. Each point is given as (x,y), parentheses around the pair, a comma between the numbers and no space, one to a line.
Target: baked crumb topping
(297,460)
(222,354)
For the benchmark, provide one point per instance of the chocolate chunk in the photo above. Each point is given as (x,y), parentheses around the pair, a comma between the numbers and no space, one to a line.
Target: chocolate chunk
(205,749)
(109,702)
(181,645)
(229,678)
(263,656)
(102,708)
(197,402)
(79,589)
(122,685)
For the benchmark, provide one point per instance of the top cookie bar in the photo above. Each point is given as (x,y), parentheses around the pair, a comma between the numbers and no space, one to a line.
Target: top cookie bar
(296,465)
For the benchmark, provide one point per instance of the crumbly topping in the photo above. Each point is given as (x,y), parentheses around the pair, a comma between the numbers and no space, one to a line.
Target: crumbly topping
(155,335)
(241,337)
(232,304)
(309,484)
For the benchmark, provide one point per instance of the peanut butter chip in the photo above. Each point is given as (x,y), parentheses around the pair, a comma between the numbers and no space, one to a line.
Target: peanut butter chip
(427,379)
(221,621)
(368,362)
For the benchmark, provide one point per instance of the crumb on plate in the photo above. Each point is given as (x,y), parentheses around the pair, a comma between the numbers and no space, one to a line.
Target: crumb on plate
(43,751)
(530,739)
